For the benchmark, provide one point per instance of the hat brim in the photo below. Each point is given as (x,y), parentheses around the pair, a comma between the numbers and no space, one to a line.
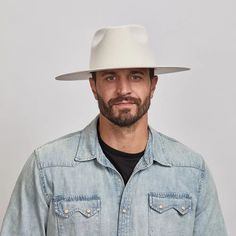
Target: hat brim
(86,74)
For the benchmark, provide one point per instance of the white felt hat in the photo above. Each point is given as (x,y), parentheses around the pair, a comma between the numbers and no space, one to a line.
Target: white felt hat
(119,48)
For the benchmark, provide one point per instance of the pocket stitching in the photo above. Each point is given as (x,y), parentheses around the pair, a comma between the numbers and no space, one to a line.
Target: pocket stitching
(87,207)
(162,202)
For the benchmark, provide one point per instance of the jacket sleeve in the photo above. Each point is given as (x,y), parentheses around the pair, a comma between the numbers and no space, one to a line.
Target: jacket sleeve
(209,219)
(27,211)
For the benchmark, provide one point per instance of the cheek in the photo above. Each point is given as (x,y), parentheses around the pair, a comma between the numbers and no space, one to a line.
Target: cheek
(144,93)
(105,94)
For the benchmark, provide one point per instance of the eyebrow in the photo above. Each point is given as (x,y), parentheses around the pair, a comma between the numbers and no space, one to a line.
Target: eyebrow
(108,73)
(136,72)
(113,73)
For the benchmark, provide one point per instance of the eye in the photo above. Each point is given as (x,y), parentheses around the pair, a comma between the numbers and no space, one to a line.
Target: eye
(136,77)
(110,78)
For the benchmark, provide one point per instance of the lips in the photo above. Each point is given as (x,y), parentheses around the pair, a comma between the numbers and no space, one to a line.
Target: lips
(124,103)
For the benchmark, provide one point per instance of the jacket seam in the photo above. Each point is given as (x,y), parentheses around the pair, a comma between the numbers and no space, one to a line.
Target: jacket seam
(43,165)
(202,177)
(201,181)
(188,166)
(41,178)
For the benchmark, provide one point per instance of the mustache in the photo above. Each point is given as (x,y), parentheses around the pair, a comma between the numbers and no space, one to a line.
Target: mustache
(120,99)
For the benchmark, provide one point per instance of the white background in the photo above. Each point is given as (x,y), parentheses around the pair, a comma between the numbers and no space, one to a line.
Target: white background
(42,39)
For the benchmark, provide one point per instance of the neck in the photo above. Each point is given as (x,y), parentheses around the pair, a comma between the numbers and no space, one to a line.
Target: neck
(131,139)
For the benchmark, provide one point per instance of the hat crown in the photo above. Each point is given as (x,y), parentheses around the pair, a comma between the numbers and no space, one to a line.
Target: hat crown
(121,47)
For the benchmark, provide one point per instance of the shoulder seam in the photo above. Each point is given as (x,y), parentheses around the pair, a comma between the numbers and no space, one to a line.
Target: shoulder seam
(65,137)
(192,160)
(188,166)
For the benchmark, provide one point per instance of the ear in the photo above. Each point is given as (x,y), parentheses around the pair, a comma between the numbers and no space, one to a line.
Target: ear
(153,84)
(92,83)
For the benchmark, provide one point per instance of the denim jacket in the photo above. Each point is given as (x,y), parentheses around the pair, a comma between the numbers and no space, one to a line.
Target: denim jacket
(69,188)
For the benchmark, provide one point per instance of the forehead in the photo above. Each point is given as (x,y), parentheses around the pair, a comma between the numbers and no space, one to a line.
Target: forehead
(123,71)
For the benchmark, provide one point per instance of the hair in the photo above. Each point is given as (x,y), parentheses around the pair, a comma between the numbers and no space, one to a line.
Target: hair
(151,74)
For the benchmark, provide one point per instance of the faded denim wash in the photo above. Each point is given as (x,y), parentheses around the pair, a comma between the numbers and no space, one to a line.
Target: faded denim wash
(69,188)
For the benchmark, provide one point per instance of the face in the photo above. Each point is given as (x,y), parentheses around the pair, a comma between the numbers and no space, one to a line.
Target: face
(123,95)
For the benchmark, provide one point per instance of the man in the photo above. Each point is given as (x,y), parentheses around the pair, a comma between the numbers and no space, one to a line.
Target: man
(118,176)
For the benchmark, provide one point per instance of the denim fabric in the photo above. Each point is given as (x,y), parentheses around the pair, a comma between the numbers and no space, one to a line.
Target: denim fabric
(68,187)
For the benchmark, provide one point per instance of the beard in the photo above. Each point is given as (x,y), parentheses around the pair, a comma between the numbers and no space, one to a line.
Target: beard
(124,118)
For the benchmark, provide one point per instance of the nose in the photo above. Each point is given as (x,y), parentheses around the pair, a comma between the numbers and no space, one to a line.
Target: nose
(123,87)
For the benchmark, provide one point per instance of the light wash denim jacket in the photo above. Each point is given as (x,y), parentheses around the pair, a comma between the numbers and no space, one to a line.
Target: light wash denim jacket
(69,188)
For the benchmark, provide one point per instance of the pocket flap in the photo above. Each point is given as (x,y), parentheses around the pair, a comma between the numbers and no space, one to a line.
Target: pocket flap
(163,202)
(67,206)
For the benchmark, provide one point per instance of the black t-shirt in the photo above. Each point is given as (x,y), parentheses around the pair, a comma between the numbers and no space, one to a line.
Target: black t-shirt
(122,161)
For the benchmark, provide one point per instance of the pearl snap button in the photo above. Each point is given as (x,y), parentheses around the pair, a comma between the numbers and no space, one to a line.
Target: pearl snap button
(88,210)
(66,211)
(124,211)
(161,206)
(183,208)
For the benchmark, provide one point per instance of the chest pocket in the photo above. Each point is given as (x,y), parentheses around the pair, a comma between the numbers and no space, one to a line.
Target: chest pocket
(77,215)
(169,213)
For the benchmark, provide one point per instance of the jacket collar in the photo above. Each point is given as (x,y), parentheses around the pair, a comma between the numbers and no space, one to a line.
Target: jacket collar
(89,148)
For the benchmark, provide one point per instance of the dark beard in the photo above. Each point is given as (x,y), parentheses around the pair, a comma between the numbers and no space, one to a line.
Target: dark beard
(124,119)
